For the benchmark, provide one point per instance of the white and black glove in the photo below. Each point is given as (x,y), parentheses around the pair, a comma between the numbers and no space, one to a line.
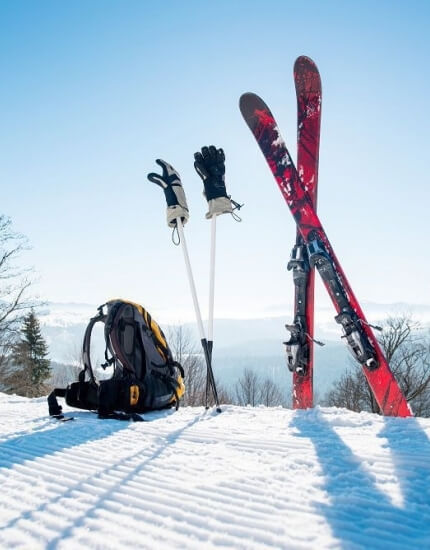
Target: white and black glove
(170,182)
(210,166)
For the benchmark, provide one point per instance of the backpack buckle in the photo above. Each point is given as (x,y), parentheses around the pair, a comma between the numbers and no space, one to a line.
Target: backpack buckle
(134,395)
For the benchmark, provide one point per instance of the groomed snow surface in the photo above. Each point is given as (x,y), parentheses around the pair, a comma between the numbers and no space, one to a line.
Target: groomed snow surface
(248,478)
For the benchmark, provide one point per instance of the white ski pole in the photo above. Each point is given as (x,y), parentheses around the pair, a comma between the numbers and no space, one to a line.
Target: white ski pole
(210,166)
(212,286)
(190,278)
(177,215)
(210,377)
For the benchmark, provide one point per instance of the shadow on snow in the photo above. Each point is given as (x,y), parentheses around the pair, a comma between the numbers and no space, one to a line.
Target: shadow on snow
(41,444)
(359,513)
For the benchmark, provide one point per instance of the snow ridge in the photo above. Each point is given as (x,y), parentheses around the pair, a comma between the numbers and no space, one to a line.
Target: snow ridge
(249,478)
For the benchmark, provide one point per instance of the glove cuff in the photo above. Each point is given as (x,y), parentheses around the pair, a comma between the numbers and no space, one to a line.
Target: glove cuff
(174,212)
(218,206)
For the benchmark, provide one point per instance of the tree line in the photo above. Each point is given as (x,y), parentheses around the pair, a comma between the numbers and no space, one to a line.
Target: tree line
(250,389)
(25,368)
(406,346)
(24,363)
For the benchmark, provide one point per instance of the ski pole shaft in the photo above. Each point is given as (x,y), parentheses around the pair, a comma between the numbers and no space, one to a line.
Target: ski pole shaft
(210,380)
(212,285)
(210,376)
(190,278)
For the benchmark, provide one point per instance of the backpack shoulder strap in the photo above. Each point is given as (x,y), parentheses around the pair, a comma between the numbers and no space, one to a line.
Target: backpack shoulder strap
(55,409)
(157,336)
(86,357)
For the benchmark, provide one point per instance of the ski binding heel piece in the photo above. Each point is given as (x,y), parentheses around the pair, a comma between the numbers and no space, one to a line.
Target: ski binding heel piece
(298,259)
(297,349)
(357,341)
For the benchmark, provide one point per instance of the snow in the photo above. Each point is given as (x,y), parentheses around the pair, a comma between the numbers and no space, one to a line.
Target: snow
(248,478)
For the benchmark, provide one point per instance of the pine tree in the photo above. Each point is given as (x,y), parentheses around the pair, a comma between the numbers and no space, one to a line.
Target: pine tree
(30,355)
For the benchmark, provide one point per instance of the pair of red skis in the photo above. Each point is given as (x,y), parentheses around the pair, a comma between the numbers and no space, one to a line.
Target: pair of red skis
(313,249)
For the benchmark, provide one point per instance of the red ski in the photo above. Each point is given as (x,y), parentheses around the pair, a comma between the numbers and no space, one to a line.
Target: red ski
(357,332)
(300,352)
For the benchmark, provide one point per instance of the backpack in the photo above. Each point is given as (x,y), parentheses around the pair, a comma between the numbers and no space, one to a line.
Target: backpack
(145,376)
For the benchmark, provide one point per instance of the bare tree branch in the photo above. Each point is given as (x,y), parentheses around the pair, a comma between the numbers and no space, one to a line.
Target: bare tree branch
(407,350)
(14,286)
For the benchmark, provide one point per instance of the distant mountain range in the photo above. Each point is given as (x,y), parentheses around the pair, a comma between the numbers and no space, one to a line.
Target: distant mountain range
(239,343)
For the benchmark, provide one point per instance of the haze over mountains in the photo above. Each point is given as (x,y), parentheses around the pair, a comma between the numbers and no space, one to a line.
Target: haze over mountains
(239,343)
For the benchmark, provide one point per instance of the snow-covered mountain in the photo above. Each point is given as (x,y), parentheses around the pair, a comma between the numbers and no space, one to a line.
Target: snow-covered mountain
(237,332)
(239,343)
(248,478)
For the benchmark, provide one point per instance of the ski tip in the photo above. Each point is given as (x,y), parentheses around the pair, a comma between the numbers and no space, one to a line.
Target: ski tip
(306,76)
(304,60)
(246,99)
(249,103)
(255,112)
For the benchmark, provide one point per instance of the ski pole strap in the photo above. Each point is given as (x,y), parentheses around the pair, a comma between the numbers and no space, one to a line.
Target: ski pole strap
(223,205)
(176,239)
(236,206)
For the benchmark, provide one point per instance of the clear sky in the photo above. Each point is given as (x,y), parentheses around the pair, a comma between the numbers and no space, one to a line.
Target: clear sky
(93,91)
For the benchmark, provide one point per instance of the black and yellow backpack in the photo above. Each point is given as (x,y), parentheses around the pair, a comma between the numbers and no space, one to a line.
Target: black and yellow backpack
(145,376)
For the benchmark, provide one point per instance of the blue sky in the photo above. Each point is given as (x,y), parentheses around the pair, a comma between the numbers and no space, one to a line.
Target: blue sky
(93,92)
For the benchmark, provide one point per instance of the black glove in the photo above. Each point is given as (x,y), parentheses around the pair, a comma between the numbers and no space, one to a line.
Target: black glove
(210,166)
(170,182)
